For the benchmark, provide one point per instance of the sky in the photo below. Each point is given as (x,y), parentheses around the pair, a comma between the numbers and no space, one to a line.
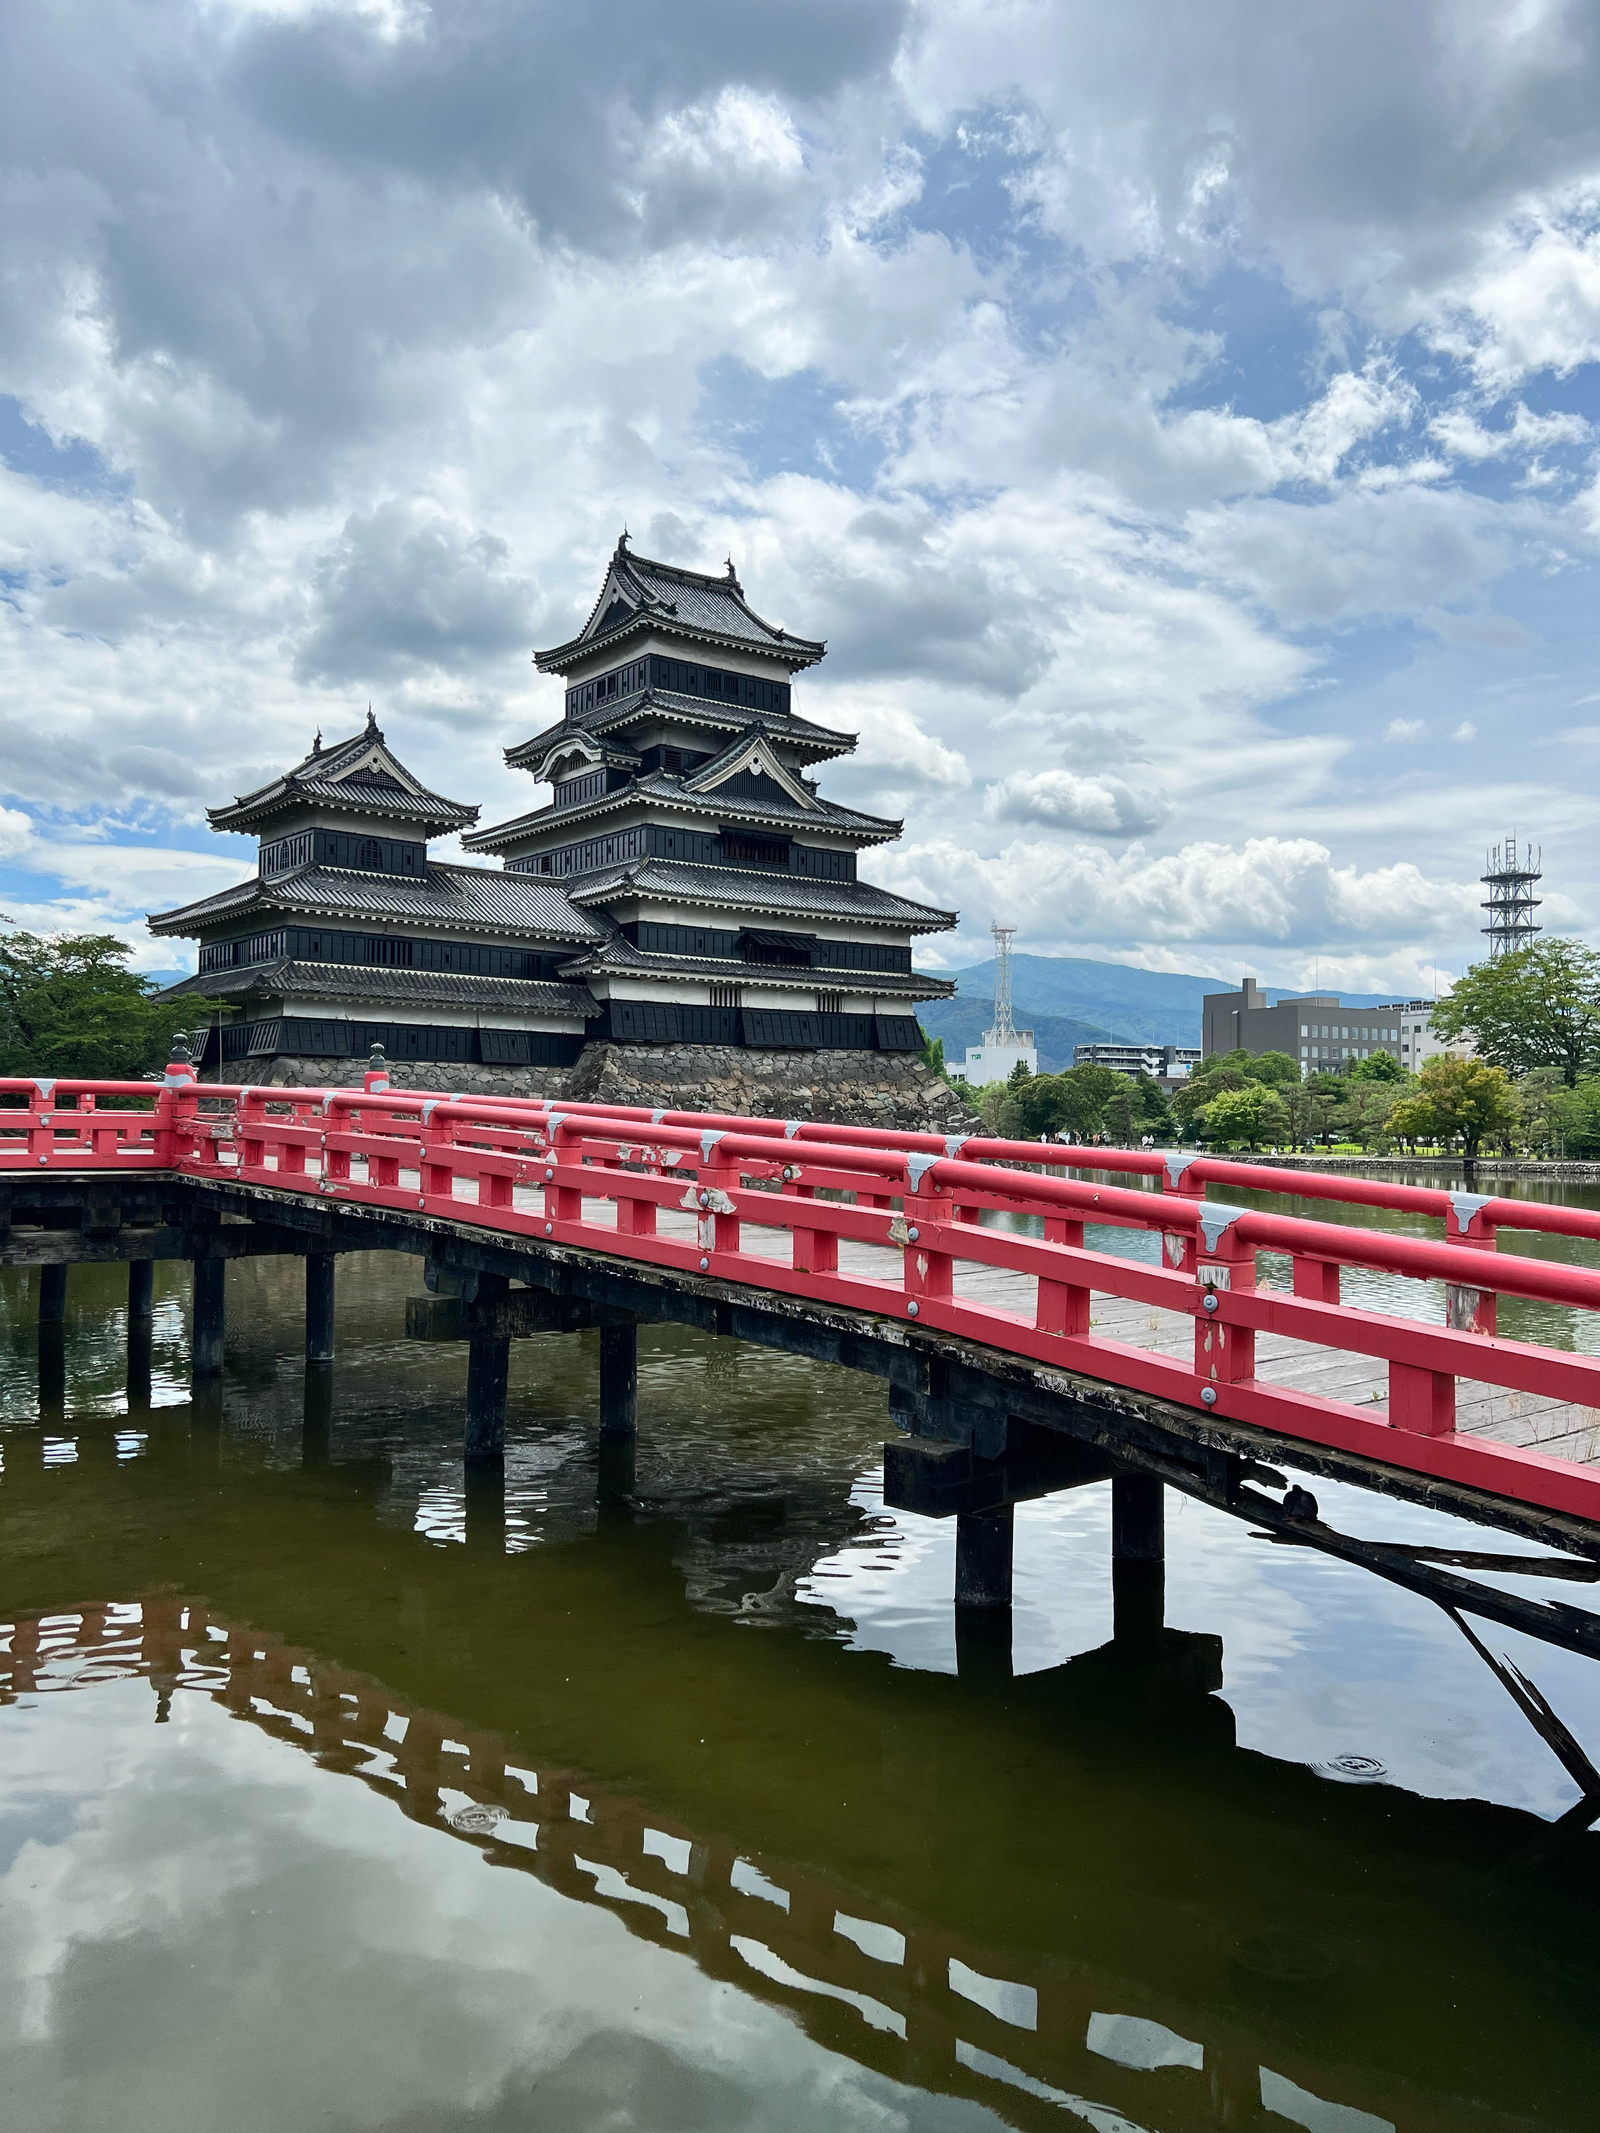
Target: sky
(1181,423)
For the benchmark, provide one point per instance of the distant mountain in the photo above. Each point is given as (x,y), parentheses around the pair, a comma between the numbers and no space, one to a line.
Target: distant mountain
(1103,1000)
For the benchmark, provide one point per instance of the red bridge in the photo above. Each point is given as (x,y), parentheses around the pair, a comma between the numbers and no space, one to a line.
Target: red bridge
(958,1269)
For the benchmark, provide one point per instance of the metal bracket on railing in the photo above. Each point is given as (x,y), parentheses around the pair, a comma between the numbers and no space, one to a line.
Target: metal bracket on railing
(656,1117)
(1468,1204)
(919,1166)
(955,1142)
(43,1087)
(429,1107)
(1215,1218)
(708,1141)
(791,1126)
(1177,1165)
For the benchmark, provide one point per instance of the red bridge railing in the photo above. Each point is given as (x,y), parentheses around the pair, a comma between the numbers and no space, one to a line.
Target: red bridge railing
(598,1176)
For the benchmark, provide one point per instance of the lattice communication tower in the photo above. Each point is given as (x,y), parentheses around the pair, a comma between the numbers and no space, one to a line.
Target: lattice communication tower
(1003,1032)
(1509,878)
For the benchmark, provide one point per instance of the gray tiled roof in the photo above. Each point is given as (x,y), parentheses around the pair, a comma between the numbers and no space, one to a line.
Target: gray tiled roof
(475,899)
(714,806)
(819,741)
(621,955)
(362,790)
(689,602)
(289,979)
(739,889)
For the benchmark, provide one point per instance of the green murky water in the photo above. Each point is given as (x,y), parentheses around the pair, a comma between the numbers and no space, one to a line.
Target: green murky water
(334,1796)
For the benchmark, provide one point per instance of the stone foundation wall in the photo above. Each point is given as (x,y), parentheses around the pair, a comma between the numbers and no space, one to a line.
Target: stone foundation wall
(450,1079)
(838,1088)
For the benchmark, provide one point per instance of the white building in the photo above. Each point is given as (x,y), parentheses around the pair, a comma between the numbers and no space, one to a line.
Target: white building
(1418,1044)
(995,1058)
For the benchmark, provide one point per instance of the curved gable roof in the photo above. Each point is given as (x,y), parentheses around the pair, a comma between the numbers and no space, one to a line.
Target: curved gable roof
(639,593)
(360,775)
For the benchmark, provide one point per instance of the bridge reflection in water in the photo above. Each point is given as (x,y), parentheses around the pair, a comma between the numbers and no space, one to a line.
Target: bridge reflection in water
(1068,1891)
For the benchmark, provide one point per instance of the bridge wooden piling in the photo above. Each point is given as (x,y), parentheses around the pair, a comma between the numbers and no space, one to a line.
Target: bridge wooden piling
(1138,1556)
(619,1381)
(488,1368)
(984,1549)
(141,1293)
(52,1295)
(208,1338)
(319,1307)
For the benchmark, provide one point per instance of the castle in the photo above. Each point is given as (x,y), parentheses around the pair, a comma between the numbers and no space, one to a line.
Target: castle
(681,922)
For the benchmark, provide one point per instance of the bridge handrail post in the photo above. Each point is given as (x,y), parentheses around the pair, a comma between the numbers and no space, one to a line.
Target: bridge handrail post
(436,1178)
(719,1226)
(1062,1307)
(1470,1310)
(567,1199)
(1224,1353)
(928,1275)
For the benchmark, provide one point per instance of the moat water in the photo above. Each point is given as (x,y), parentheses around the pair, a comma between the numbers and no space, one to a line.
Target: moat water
(335,1796)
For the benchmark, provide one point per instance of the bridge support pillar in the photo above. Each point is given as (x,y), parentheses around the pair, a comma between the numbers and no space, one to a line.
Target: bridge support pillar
(1138,1556)
(141,1293)
(316,1429)
(983,1597)
(983,1557)
(619,1381)
(208,1336)
(141,1328)
(488,1365)
(319,1306)
(52,1295)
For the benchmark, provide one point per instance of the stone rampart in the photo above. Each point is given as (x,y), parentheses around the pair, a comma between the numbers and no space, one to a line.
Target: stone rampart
(846,1088)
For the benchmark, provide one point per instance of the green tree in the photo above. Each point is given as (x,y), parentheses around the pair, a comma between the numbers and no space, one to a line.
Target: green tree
(1155,1111)
(1252,1115)
(1382,1066)
(1275,1069)
(933,1055)
(1000,1112)
(1537,1008)
(1456,1099)
(68,1006)
(1364,1116)
(1120,1109)
(1204,1086)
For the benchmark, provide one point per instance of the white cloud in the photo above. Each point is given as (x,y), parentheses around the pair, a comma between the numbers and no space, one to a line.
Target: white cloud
(1268,891)
(1466,731)
(1405,729)
(1063,800)
(16,832)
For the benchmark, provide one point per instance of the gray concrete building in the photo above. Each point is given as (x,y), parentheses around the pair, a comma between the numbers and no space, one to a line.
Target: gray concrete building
(1316,1029)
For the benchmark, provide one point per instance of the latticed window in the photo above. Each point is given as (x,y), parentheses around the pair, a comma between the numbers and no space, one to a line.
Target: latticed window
(830,1003)
(725,995)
